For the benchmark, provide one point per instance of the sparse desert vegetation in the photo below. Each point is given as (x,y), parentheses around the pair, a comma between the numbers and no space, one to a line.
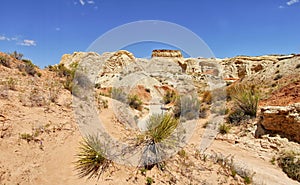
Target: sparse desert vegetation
(290,164)
(37,122)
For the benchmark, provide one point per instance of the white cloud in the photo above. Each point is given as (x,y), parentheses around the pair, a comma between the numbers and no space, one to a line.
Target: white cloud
(90,2)
(291,2)
(28,43)
(2,37)
(57,29)
(82,2)
(280,6)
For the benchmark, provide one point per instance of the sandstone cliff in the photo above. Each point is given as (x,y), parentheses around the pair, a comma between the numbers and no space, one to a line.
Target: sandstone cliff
(166,53)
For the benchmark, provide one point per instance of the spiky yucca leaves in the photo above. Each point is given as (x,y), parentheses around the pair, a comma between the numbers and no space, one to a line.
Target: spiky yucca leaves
(160,127)
(158,140)
(246,97)
(91,162)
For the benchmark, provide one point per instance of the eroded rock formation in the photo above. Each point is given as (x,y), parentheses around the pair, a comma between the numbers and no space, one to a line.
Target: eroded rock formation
(118,61)
(166,53)
(282,120)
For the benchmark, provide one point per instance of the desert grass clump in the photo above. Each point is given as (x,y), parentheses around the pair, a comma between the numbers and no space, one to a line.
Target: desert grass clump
(135,102)
(69,73)
(290,164)
(236,116)
(207,97)
(149,181)
(187,108)
(91,162)
(5,61)
(182,153)
(11,83)
(37,98)
(118,94)
(26,136)
(224,128)
(169,97)
(27,67)
(30,68)
(246,98)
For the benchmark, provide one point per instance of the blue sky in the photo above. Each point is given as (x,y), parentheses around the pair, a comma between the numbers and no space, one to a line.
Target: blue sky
(44,30)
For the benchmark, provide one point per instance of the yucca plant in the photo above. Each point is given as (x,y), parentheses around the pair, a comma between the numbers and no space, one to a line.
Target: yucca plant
(246,98)
(91,162)
(160,127)
(157,139)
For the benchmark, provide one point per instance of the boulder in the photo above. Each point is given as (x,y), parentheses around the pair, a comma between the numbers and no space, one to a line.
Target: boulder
(282,120)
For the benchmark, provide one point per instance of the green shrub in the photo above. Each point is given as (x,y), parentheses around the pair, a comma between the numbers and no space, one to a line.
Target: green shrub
(62,71)
(246,98)
(187,108)
(290,164)
(28,67)
(236,116)
(118,94)
(135,102)
(247,180)
(182,153)
(11,83)
(27,137)
(169,97)
(224,128)
(91,161)
(16,55)
(143,171)
(5,61)
(149,181)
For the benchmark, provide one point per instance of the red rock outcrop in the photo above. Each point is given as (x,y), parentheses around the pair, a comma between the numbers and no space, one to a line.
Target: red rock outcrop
(166,53)
(282,120)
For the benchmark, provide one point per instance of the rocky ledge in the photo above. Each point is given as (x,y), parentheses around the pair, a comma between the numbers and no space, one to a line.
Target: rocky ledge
(282,120)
